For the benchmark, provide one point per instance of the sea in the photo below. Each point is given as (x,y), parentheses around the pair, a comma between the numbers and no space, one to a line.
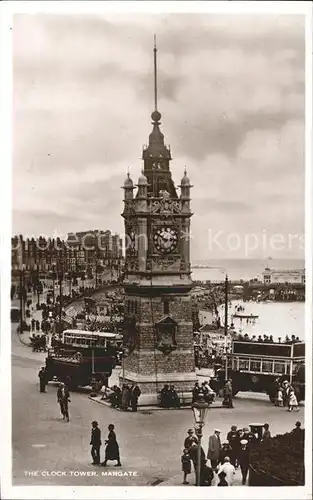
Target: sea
(275,318)
(237,269)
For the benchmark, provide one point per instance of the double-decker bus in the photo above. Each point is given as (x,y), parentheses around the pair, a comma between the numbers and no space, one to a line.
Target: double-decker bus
(79,355)
(255,366)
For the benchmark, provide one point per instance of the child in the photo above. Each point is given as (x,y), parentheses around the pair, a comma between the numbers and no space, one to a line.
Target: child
(223,481)
(293,402)
(186,464)
(279,398)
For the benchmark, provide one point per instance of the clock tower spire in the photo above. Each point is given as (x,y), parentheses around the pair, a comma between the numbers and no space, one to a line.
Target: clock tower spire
(155,76)
(158,314)
(157,155)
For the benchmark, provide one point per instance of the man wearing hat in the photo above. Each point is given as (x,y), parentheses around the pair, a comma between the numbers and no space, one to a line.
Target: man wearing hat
(95,442)
(42,379)
(63,398)
(190,439)
(234,441)
(244,459)
(214,449)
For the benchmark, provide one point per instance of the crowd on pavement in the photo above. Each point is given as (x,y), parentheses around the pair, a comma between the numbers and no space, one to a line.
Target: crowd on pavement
(125,398)
(225,457)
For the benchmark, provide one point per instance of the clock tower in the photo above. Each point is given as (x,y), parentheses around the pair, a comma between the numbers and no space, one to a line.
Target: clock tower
(158,329)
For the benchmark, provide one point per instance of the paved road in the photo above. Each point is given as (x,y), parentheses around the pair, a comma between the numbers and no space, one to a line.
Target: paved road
(151,444)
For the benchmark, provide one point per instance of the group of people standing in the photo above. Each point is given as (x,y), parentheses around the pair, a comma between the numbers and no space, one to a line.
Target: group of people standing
(169,397)
(209,395)
(224,458)
(286,396)
(125,397)
(205,390)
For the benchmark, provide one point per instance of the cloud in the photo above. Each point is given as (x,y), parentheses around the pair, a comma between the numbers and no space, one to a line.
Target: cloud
(231,94)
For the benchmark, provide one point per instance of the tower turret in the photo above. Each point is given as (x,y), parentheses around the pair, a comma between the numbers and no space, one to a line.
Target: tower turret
(128,188)
(185,186)
(142,186)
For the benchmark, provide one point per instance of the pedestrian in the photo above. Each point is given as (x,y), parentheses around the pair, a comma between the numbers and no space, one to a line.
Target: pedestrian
(229,470)
(214,448)
(293,402)
(95,443)
(134,396)
(195,392)
(165,397)
(112,451)
(125,397)
(234,441)
(206,474)
(174,401)
(247,435)
(226,451)
(186,465)
(228,394)
(63,398)
(266,433)
(297,429)
(208,393)
(222,479)
(190,439)
(244,459)
(279,396)
(115,397)
(42,379)
(193,452)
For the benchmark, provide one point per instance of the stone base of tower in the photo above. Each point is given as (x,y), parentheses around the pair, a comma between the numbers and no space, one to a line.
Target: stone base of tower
(148,371)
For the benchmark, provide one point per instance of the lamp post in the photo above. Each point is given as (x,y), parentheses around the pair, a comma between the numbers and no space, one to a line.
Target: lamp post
(199,408)
(226,325)
(36,269)
(22,298)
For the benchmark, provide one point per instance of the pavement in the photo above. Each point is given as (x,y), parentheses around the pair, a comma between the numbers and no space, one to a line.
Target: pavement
(50,452)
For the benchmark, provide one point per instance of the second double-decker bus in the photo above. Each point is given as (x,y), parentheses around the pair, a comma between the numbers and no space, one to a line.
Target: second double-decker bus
(255,366)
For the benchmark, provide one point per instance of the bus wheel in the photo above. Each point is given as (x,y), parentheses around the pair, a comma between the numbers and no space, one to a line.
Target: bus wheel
(272,398)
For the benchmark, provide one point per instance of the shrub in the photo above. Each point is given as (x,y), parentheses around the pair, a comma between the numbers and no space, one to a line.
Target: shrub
(281,457)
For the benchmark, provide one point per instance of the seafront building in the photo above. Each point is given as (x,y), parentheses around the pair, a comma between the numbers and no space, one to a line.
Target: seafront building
(283,276)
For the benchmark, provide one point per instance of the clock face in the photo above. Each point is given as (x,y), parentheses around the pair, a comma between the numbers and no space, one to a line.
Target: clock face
(165,239)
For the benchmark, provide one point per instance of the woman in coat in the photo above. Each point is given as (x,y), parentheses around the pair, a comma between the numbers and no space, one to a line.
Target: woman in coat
(112,451)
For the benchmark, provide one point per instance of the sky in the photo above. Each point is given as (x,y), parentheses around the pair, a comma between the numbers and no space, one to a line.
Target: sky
(231,94)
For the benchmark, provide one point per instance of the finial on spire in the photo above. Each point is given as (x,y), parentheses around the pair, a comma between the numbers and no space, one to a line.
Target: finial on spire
(128,172)
(155,76)
(185,171)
